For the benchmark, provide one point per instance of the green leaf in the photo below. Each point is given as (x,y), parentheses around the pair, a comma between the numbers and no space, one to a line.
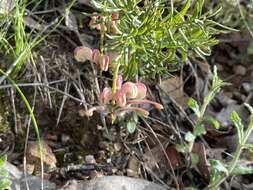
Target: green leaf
(131,126)
(238,124)
(5,184)
(241,170)
(190,188)
(3,159)
(199,130)
(189,137)
(181,148)
(193,104)
(218,166)
(194,158)
(3,173)
(212,121)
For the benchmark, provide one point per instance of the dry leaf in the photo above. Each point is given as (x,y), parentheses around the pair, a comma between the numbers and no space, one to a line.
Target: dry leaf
(174,88)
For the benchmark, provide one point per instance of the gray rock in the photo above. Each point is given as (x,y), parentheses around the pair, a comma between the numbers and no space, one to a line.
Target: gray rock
(34,183)
(113,183)
(19,181)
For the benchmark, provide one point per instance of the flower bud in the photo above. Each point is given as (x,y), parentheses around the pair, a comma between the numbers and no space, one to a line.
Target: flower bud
(92,23)
(114,28)
(142,90)
(90,111)
(119,82)
(115,16)
(95,55)
(155,104)
(82,54)
(120,98)
(104,65)
(130,89)
(106,95)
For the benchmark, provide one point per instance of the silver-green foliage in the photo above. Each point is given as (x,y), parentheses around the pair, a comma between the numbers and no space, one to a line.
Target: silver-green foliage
(158,35)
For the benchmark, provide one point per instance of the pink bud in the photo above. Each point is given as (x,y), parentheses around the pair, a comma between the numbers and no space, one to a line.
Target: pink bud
(115,16)
(105,63)
(82,54)
(119,82)
(93,20)
(130,89)
(142,90)
(114,28)
(155,104)
(106,95)
(120,98)
(90,111)
(95,55)
(99,27)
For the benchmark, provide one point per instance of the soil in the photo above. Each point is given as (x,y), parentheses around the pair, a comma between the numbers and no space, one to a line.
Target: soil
(75,139)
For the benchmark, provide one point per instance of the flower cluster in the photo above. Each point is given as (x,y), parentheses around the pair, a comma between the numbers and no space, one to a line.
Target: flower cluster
(83,53)
(108,24)
(127,97)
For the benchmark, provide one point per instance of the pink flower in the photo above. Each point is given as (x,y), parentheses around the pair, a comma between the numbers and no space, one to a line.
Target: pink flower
(114,28)
(82,54)
(115,16)
(119,82)
(90,111)
(95,55)
(105,60)
(106,95)
(155,104)
(120,98)
(130,89)
(95,22)
(142,90)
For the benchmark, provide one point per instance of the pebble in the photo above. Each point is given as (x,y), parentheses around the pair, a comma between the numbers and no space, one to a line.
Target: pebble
(240,70)
(247,87)
(64,138)
(89,159)
(19,180)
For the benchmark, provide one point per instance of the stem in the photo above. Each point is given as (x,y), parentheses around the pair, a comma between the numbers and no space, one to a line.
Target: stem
(234,161)
(102,35)
(115,75)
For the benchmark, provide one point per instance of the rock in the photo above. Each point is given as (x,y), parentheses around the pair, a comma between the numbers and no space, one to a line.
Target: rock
(19,180)
(33,157)
(240,70)
(114,183)
(247,87)
(34,183)
(89,159)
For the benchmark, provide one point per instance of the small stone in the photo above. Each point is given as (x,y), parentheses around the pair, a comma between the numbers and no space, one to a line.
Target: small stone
(247,87)
(89,159)
(240,70)
(34,157)
(64,138)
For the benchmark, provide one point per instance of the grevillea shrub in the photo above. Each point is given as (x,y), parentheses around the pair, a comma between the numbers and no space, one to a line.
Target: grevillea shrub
(126,99)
